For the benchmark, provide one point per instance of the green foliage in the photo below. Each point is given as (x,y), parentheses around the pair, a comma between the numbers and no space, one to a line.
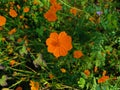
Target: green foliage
(95,31)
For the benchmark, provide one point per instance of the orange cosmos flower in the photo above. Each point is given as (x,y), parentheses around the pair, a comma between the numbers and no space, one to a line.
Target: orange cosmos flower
(12,62)
(19,88)
(55,7)
(87,72)
(26,9)
(50,16)
(59,44)
(12,31)
(63,70)
(13,13)
(34,85)
(103,79)
(51,76)
(73,10)
(77,54)
(52,2)
(19,40)
(2,20)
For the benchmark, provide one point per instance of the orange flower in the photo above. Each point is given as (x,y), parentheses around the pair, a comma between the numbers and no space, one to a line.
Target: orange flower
(21,16)
(34,85)
(19,40)
(56,7)
(28,49)
(2,20)
(12,31)
(51,76)
(59,44)
(87,72)
(95,69)
(19,88)
(26,26)
(104,73)
(52,2)
(73,10)
(50,16)
(103,79)
(63,70)
(26,9)
(77,54)
(12,62)
(18,6)
(13,13)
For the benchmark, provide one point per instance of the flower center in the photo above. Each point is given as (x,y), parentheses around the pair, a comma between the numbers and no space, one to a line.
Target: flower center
(56,43)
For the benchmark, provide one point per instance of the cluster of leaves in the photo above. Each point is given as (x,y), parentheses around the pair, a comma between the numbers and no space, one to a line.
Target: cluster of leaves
(94,29)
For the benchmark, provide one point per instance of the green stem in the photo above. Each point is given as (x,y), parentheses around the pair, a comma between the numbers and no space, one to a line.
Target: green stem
(15,84)
(20,70)
(75,7)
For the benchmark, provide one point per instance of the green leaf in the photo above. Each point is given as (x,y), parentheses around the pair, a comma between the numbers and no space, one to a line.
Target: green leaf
(3,80)
(39,61)
(81,82)
(40,31)
(23,50)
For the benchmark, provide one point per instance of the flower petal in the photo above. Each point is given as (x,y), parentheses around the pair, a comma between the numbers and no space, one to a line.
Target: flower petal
(62,51)
(54,35)
(66,42)
(51,48)
(50,41)
(56,52)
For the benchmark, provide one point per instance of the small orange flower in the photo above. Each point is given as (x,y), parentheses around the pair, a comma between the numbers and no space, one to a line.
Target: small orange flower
(26,9)
(18,6)
(51,76)
(12,62)
(56,7)
(34,85)
(59,44)
(21,16)
(50,16)
(63,70)
(95,69)
(26,26)
(103,79)
(73,11)
(104,73)
(52,2)
(28,49)
(2,20)
(12,31)
(13,13)
(19,88)
(19,40)
(77,54)
(87,72)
